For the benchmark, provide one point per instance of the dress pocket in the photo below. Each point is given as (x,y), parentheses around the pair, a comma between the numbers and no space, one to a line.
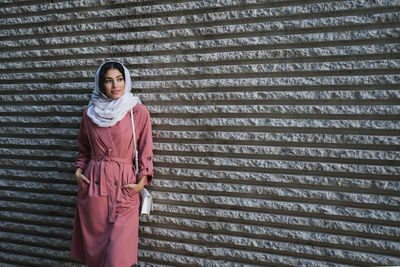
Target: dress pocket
(82,185)
(83,188)
(130,193)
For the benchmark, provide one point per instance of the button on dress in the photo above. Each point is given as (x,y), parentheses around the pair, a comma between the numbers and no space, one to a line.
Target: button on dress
(107,216)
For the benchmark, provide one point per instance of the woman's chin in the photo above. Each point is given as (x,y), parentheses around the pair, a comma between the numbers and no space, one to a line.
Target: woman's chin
(114,96)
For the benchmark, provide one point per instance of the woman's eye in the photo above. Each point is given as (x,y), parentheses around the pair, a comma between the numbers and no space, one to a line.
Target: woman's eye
(107,81)
(120,79)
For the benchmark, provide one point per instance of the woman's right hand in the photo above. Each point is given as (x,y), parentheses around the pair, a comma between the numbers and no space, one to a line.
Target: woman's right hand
(79,177)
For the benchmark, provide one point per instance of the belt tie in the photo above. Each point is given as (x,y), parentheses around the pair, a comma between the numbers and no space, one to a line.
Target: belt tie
(104,159)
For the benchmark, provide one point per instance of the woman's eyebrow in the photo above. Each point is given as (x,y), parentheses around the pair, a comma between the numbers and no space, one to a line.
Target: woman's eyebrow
(112,77)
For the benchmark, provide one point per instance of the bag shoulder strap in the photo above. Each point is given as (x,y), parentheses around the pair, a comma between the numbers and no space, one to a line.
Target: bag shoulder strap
(134,144)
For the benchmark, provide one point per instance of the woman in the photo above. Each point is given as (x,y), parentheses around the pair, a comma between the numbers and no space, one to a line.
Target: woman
(107,215)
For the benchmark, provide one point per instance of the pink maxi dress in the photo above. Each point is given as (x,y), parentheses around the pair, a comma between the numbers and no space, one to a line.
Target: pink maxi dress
(107,216)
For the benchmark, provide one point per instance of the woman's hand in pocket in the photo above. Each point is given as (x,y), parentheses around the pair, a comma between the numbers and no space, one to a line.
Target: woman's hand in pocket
(136,187)
(79,177)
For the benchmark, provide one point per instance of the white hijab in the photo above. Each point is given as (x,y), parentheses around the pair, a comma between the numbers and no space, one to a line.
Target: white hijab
(106,112)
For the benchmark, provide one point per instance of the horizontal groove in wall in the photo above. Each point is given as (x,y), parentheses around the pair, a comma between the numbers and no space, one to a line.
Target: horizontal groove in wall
(256,239)
(239,129)
(195,258)
(49,253)
(219,97)
(293,88)
(34,233)
(200,11)
(30,188)
(280,60)
(12,237)
(18,257)
(288,199)
(270,145)
(184,51)
(30,166)
(45,89)
(21,167)
(87,8)
(151,261)
(320,73)
(51,231)
(218,47)
(66,114)
(180,101)
(32,212)
(209,37)
(384,177)
(267,115)
(236,226)
(37,211)
(163,259)
(277,143)
(291,199)
(35,187)
(42,125)
(33,199)
(27,3)
(228,73)
(274,250)
(170,223)
(212,23)
(21,156)
(304,214)
(37,220)
(296,158)
(320,53)
(354,131)
(25,144)
(39,146)
(66,136)
(77,103)
(62,182)
(290,154)
(221,76)
(53,161)
(336,184)
(323,211)
(229,115)
(327,225)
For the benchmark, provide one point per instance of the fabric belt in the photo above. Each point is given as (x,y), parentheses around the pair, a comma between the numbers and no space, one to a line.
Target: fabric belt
(104,159)
(108,158)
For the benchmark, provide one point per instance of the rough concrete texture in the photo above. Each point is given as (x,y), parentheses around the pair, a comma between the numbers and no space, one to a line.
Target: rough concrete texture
(275,125)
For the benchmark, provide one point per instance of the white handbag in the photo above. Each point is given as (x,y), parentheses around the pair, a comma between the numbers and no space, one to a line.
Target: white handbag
(146,202)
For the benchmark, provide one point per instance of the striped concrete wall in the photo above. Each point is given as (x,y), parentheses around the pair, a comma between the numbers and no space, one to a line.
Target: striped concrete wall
(276,127)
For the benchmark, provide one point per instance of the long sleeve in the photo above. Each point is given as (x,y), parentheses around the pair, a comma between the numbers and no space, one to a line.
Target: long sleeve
(144,144)
(83,145)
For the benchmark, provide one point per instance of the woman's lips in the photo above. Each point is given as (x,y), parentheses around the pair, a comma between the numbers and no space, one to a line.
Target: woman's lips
(115,92)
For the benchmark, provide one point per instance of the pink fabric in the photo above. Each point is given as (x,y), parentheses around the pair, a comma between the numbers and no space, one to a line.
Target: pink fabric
(107,216)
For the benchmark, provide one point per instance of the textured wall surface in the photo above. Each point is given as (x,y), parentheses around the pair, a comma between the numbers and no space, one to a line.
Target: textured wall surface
(276,127)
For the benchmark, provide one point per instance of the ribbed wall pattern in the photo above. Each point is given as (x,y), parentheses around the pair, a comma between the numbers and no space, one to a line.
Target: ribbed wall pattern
(276,127)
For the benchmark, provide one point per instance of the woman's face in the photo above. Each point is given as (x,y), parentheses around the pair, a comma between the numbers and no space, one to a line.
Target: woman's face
(114,84)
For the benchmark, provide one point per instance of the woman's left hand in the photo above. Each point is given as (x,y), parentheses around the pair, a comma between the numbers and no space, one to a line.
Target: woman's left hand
(136,187)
